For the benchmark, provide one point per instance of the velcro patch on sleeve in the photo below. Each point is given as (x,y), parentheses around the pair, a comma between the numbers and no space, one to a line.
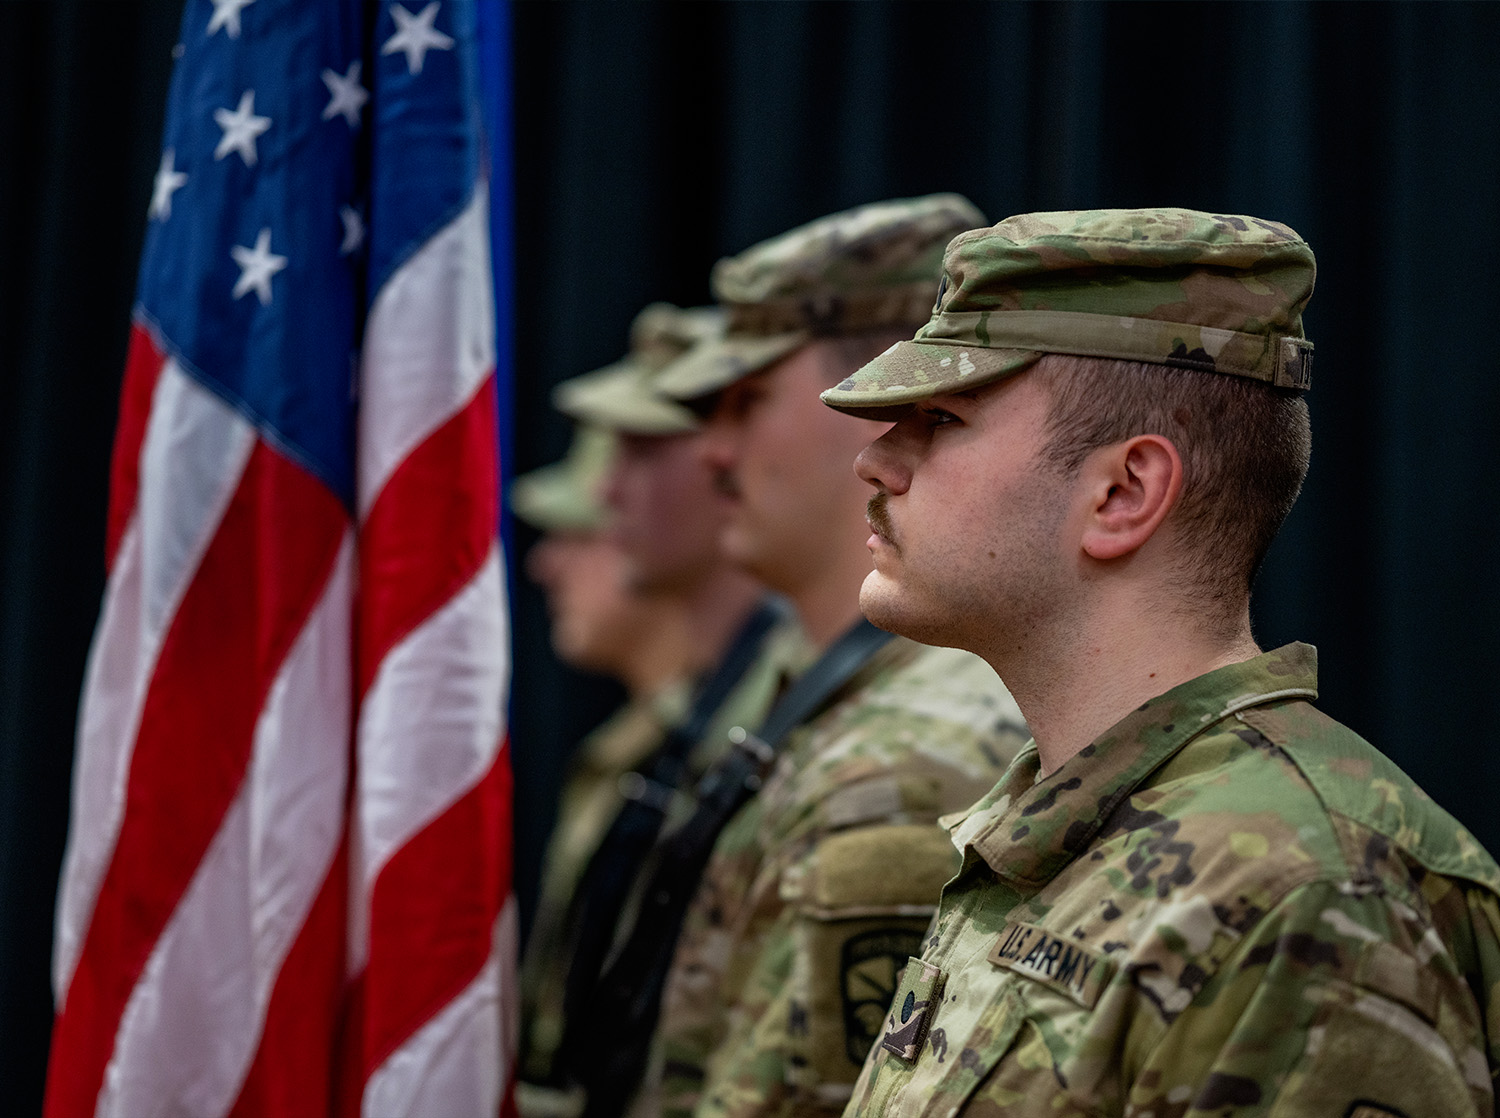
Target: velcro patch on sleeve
(1056,961)
(911,1011)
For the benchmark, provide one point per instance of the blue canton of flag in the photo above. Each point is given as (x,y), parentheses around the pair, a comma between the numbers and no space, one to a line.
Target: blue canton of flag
(254,270)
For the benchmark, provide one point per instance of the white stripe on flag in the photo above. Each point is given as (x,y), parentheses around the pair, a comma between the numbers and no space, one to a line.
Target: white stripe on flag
(429,728)
(195,450)
(218,957)
(192,458)
(429,343)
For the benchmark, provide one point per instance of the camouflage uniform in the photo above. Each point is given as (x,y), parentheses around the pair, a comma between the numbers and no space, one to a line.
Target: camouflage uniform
(1227,904)
(822,885)
(817,889)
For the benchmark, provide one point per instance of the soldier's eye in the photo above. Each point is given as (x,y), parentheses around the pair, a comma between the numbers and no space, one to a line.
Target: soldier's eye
(937,417)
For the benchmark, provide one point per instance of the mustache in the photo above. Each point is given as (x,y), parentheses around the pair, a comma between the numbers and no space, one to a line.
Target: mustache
(879,517)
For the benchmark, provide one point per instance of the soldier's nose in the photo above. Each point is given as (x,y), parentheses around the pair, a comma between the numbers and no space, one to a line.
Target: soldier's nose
(881,466)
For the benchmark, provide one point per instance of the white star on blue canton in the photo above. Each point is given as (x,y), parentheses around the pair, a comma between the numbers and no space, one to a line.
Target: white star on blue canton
(354,230)
(257,266)
(227,15)
(241,127)
(169,181)
(416,36)
(346,96)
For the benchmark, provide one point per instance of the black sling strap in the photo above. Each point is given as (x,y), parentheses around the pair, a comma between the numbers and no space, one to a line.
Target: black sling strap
(609,1039)
(606,881)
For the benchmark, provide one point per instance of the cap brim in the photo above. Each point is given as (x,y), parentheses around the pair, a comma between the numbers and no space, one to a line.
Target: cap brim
(910,372)
(717,364)
(549,499)
(620,398)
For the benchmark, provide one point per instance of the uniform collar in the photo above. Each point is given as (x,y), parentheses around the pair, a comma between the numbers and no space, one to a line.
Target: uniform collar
(1028,830)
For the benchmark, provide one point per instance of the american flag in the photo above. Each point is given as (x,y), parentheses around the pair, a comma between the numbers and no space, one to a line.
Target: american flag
(287,885)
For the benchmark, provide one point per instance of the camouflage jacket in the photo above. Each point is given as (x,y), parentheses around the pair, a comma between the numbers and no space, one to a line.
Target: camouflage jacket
(822,885)
(590,801)
(1228,904)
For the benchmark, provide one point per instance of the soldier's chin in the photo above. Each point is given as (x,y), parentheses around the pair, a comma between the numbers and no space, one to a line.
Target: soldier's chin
(887,606)
(879,601)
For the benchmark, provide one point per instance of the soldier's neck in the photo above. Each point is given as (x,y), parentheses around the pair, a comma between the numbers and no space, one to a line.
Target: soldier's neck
(827,599)
(660,654)
(717,605)
(1076,686)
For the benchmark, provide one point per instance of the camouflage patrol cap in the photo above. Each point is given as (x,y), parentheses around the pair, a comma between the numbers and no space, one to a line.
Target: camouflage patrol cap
(862,269)
(1213,292)
(622,396)
(565,496)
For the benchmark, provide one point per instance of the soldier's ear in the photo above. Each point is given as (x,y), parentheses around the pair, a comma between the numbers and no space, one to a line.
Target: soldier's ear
(1130,488)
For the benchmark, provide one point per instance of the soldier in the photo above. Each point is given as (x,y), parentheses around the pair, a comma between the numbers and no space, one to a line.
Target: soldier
(600,625)
(1194,894)
(662,523)
(821,885)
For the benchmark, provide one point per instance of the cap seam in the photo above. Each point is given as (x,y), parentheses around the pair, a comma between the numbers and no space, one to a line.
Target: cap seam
(1096,239)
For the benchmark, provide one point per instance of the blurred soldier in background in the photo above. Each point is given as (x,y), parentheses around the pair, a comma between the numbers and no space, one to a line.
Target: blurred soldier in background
(819,886)
(729,639)
(1196,894)
(601,625)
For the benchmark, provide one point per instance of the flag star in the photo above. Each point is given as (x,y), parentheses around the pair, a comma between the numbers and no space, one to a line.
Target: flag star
(241,127)
(169,181)
(416,36)
(354,230)
(227,15)
(346,95)
(257,266)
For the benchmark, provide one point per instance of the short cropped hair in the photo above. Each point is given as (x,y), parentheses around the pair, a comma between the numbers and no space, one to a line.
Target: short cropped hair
(1245,448)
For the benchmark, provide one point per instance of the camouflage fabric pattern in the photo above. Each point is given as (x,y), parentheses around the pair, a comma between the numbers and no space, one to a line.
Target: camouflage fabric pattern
(822,885)
(622,397)
(565,496)
(590,800)
(1228,904)
(866,268)
(1213,292)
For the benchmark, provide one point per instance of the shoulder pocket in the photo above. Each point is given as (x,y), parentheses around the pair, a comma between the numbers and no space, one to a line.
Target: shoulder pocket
(863,901)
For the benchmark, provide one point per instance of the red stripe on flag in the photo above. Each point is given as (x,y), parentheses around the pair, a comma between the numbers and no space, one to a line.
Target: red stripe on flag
(429,531)
(432,917)
(294,1063)
(143,364)
(259,579)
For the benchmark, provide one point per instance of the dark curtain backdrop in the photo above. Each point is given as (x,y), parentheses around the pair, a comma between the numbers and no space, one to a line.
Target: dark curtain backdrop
(652,138)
